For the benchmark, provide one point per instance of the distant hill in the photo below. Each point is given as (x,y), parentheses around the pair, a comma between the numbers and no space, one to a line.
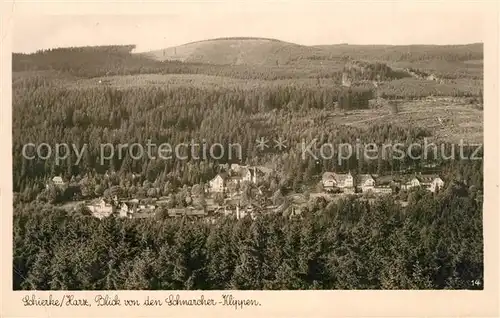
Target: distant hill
(240,51)
(264,51)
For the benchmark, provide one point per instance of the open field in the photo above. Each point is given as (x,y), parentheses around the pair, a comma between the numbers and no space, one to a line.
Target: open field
(459,121)
(446,69)
(71,205)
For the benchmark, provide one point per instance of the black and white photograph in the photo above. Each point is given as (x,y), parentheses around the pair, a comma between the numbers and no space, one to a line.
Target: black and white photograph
(330,148)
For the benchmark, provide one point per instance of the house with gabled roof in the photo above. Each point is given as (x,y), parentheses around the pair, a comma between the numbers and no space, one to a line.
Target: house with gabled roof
(431,182)
(189,212)
(436,183)
(218,183)
(101,209)
(252,174)
(56,181)
(365,182)
(333,180)
(345,181)
(386,184)
(328,181)
(126,210)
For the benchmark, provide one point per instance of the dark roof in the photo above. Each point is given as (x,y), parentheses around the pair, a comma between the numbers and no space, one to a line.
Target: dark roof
(186,211)
(224,175)
(143,215)
(362,178)
(263,170)
(386,180)
(426,177)
(340,178)
(232,202)
(197,212)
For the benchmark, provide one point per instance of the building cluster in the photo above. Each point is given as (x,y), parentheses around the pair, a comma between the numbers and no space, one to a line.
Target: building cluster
(365,183)
(133,209)
(233,207)
(235,175)
(102,208)
(424,76)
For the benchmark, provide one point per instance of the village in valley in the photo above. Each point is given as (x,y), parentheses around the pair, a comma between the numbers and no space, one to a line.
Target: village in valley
(238,191)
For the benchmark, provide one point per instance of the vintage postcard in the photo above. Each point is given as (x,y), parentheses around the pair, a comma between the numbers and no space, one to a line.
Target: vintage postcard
(237,158)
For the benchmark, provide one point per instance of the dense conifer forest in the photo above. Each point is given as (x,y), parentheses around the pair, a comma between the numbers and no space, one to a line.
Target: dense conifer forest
(436,243)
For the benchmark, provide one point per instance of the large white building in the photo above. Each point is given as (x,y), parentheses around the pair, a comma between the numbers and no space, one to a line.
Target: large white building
(430,182)
(333,180)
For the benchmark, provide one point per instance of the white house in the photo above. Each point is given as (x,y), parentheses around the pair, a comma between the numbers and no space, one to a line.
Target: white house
(332,180)
(250,174)
(328,180)
(345,182)
(56,181)
(436,184)
(386,184)
(366,182)
(127,210)
(246,174)
(430,182)
(412,183)
(218,183)
(101,209)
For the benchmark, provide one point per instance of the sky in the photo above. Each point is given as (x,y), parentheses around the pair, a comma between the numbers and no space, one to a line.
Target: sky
(398,23)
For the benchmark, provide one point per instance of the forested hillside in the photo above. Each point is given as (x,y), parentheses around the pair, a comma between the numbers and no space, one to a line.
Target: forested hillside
(45,113)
